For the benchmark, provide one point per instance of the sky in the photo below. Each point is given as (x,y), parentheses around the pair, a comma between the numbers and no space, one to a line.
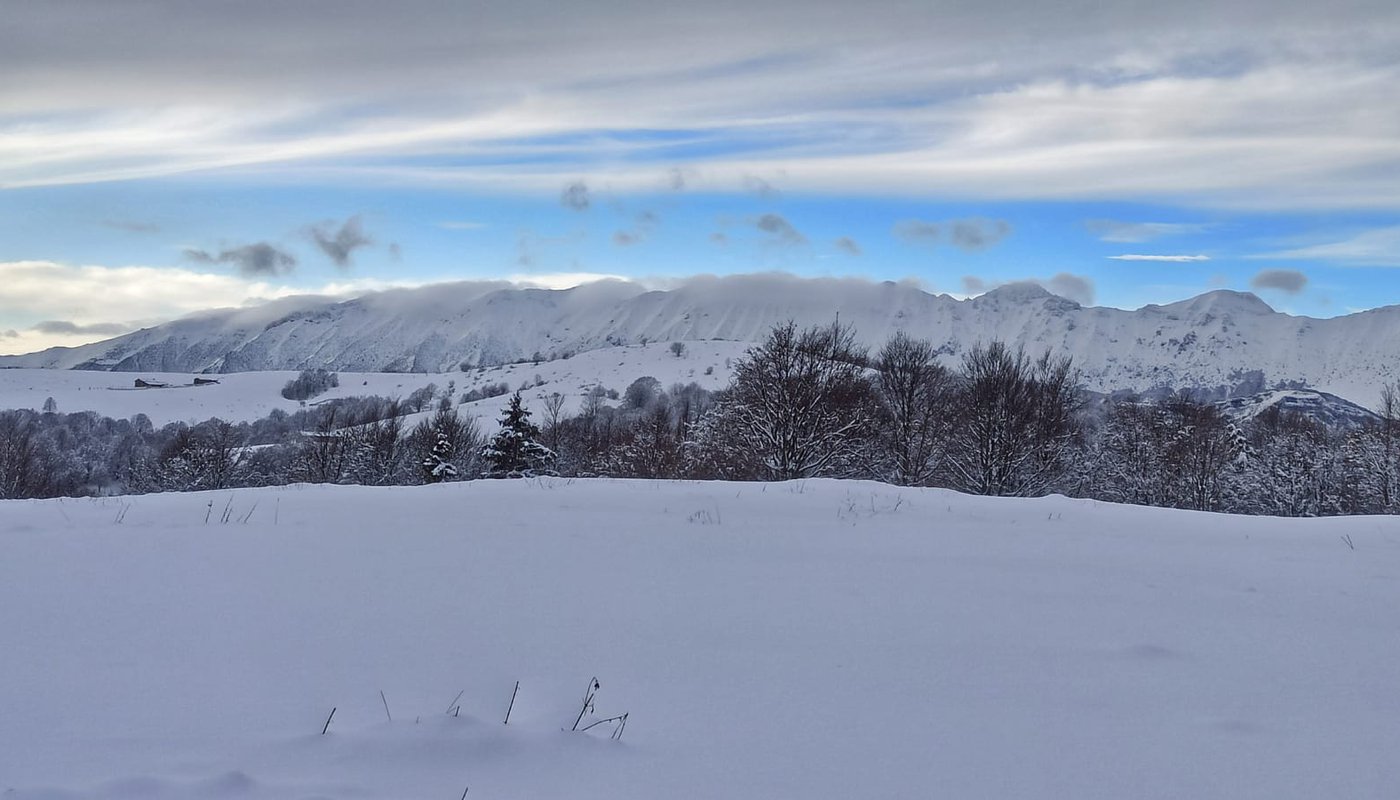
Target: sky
(161,157)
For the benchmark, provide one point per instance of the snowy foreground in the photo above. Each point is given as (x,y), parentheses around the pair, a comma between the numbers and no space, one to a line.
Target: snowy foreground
(806,640)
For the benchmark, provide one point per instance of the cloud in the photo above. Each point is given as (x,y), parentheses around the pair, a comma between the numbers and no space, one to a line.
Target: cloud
(1379,247)
(73,328)
(131,226)
(10,333)
(914,230)
(47,297)
(1078,288)
(758,186)
(971,234)
(1197,100)
(779,227)
(1110,230)
(257,259)
(1290,281)
(978,234)
(1171,258)
(340,243)
(848,246)
(560,280)
(719,238)
(575,196)
(642,226)
(675,179)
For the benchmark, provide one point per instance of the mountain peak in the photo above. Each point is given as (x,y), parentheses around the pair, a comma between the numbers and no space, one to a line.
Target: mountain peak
(1018,292)
(1221,302)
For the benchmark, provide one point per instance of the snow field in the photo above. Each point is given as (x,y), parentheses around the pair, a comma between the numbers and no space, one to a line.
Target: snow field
(809,640)
(247,396)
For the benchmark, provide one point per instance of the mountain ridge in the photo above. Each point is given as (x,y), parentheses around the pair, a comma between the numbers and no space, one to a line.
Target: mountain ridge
(1223,343)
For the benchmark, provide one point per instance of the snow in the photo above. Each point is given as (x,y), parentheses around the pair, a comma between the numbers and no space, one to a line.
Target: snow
(1227,341)
(246,396)
(810,639)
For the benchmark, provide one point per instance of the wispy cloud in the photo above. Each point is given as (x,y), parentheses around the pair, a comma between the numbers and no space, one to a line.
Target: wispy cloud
(1111,230)
(62,326)
(1169,258)
(131,226)
(848,246)
(1379,247)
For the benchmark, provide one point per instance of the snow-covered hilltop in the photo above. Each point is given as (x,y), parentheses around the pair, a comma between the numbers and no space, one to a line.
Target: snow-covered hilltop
(1230,343)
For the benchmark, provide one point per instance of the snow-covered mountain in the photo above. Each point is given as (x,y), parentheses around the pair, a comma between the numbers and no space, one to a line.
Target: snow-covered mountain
(1328,409)
(1230,344)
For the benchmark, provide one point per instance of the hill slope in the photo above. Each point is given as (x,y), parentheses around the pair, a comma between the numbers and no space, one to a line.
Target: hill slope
(1228,343)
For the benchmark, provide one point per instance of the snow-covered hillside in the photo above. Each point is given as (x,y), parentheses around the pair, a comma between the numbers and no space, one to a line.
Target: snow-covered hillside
(246,396)
(814,640)
(1328,409)
(1228,342)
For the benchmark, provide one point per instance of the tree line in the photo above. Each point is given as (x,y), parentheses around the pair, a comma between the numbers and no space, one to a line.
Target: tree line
(803,403)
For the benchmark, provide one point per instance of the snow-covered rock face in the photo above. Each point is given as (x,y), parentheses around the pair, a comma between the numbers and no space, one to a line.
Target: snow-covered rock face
(1229,343)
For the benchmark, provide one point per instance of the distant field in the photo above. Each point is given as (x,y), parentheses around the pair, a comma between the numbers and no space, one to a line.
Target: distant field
(245,396)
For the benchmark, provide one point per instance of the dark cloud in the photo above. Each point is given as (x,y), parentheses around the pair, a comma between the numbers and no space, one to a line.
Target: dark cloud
(259,258)
(848,246)
(340,243)
(575,196)
(756,185)
(61,326)
(1290,281)
(719,238)
(914,230)
(131,226)
(9,334)
(642,227)
(676,179)
(973,233)
(1073,287)
(978,234)
(778,226)
(973,285)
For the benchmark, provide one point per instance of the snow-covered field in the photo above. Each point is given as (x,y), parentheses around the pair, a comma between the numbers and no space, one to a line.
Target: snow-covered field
(809,640)
(246,396)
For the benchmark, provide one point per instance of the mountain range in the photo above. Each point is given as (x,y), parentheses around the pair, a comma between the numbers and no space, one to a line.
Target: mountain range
(1225,344)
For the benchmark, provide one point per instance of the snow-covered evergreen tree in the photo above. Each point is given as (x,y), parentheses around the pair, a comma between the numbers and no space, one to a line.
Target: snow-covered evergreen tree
(438,466)
(515,451)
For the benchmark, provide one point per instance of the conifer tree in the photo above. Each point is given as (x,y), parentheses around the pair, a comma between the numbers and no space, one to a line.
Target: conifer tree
(515,451)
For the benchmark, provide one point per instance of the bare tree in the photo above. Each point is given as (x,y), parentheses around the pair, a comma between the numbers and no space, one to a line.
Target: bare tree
(915,398)
(1015,421)
(804,405)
